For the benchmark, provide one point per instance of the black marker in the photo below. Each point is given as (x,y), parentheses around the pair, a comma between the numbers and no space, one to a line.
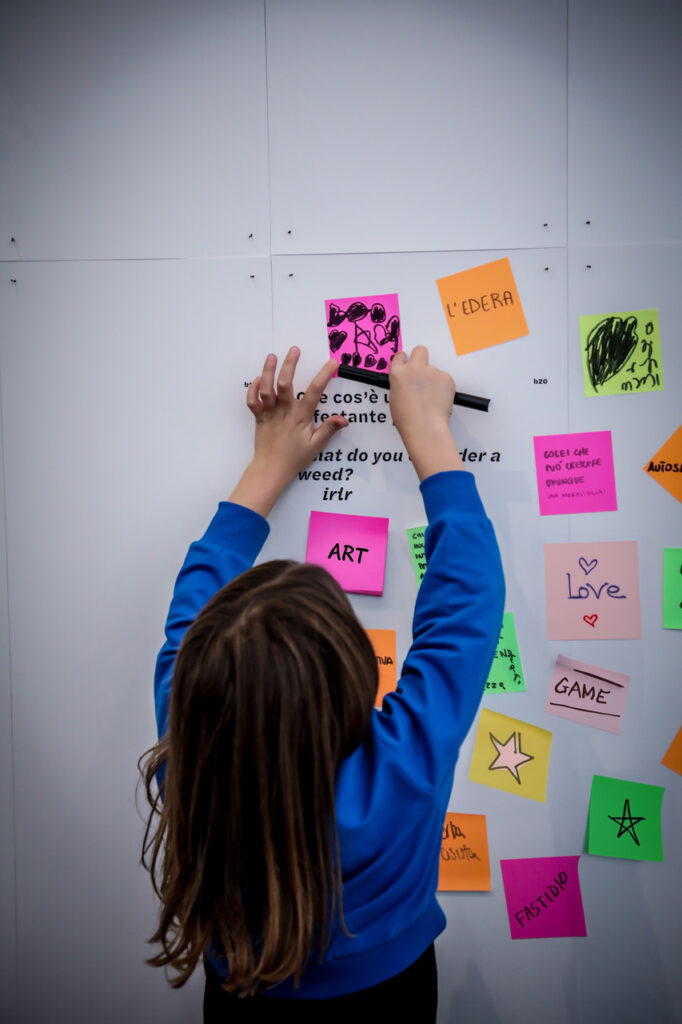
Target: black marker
(380,380)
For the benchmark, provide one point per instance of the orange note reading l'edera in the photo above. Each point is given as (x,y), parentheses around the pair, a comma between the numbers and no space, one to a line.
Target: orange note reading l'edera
(482,306)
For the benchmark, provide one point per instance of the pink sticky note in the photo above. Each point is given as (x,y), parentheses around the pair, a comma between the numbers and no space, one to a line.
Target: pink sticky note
(351,548)
(364,331)
(592,591)
(575,472)
(543,895)
(587,694)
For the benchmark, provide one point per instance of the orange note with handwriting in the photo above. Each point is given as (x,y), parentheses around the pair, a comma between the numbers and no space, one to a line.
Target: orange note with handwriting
(384,644)
(482,306)
(464,864)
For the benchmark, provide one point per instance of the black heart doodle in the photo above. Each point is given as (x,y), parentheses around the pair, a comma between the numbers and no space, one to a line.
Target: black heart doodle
(336,340)
(609,345)
(586,566)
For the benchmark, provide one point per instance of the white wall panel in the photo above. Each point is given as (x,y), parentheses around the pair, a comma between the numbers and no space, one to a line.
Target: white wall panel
(397,126)
(122,395)
(624,125)
(133,129)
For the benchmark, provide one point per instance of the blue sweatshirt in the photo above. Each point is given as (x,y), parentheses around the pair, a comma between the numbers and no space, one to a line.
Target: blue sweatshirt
(392,792)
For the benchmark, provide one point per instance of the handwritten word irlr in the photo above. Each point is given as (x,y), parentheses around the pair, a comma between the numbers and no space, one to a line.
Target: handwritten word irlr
(485,303)
(348,550)
(586,590)
(532,910)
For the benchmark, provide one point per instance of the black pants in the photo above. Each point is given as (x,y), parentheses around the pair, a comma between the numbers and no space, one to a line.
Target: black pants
(411,994)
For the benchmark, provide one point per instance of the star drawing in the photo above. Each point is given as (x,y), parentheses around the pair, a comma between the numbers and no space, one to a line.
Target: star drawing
(630,827)
(509,755)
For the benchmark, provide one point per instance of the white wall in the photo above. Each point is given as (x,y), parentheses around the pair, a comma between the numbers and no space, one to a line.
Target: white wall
(185,185)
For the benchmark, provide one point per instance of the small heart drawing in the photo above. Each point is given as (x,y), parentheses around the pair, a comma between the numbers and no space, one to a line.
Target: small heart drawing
(586,566)
(336,340)
(590,619)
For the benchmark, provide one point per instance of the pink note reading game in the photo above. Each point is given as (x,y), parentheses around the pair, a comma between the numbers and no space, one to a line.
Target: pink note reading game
(351,548)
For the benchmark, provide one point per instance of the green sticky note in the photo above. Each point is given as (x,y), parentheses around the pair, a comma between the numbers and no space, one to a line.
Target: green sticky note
(672,588)
(625,819)
(621,352)
(415,538)
(506,674)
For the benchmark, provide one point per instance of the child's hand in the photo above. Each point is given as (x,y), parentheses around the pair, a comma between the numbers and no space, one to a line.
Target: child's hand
(421,404)
(286,440)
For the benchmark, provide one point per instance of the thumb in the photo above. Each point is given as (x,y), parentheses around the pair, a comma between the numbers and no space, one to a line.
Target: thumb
(324,434)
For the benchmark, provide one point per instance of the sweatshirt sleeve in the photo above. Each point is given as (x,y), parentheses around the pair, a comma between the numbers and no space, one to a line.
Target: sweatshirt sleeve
(456,626)
(229,547)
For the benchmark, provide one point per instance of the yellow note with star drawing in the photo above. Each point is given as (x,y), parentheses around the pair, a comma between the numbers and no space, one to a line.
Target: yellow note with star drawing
(511,755)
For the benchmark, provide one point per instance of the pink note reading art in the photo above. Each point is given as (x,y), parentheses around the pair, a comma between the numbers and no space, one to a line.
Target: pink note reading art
(587,694)
(351,548)
(592,591)
(543,896)
(364,331)
(575,473)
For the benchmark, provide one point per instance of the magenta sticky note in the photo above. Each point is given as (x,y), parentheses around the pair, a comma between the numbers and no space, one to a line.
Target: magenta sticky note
(351,548)
(364,331)
(587,694)
(575,472)
(592,591)
(543,896)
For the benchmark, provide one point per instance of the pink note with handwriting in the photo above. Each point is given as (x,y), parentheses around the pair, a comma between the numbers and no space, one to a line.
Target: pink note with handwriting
(587,694)
(575,472)
(543,896)
(351,548)
(592,591)
(364,331)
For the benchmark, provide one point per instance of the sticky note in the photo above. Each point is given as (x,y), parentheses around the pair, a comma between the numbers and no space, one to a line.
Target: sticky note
(575,472)
(621,352)
(351,548)
(666,465)
(672,588)
(673,756)
(364,331)
(415,538)
(384,644)
(482,306)
(624,819)
(592,591)
(464,864)
(587,694)
(544,900)
(511,755)
(506,674)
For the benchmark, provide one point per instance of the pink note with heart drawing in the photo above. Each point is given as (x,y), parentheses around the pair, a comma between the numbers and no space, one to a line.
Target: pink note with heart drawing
(364,331)
(592,591)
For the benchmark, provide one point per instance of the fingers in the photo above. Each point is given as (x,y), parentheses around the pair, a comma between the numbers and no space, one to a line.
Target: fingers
(267,382)
(285,381)
(314,391)
(399,359)
(324,434)
(253,402)
(420,355)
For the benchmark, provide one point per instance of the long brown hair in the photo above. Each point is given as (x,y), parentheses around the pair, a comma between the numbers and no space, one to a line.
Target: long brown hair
(273,686)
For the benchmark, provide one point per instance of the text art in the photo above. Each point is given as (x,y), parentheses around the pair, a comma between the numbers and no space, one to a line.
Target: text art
(364,331)
(592,591)
(621,353)
(506,674)
(575,473)
(464,864)
(624,819)
(482,306)
(511,755)
(666,465)
(351,548)
(543,897)
(587,694)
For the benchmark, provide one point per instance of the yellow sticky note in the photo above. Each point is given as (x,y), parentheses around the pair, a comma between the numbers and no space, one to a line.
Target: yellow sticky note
(511,755)
(673,756)
(464,864)
(482,306)
(666,465)
(384,644)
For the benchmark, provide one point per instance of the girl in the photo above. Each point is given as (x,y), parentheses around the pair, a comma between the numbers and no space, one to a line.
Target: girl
(295,836)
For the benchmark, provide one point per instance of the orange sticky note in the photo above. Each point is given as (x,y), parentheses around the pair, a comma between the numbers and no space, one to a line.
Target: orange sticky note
(383,642)
(666,465)
(464,861)
(673,756)
(482,306)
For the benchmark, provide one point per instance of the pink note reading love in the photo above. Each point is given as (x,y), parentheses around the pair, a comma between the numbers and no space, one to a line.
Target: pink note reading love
(575,473)
(351,548)
(364,331)
(543,896)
